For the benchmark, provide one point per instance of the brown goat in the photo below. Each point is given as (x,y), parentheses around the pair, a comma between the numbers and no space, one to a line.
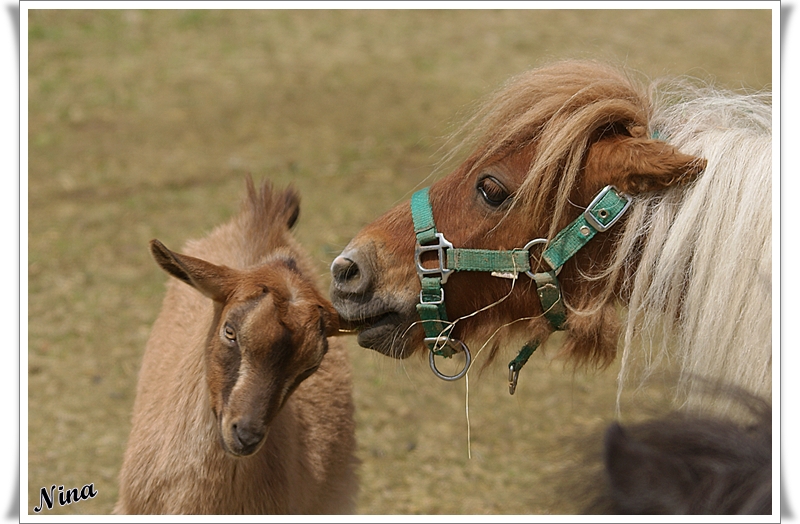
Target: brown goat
(237,411)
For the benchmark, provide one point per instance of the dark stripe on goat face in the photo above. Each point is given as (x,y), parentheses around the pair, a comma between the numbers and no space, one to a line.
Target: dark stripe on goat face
(269,369)
(225,359)
(225,370)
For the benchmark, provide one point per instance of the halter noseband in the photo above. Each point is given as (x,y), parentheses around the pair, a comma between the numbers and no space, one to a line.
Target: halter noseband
(603,212)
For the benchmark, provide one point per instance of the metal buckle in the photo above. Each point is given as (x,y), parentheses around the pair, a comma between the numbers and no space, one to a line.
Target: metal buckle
(593,221)
(439,248)
(449,343)
(435,302)
(528,247)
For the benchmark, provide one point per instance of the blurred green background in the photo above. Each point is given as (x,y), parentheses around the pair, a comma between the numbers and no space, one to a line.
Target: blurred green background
(143,124)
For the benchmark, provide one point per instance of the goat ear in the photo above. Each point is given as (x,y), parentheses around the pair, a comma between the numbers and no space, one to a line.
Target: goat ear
(291,206)
(330,319)
(215,282)
(634,164)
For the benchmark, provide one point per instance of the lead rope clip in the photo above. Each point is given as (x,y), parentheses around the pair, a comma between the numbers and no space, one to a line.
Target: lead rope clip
(515,365)
(513,375)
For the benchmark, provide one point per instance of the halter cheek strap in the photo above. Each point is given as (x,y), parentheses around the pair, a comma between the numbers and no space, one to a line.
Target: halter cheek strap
(602,213)
(431,309)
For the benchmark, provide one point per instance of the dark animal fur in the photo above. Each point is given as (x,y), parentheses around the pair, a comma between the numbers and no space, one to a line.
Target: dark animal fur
(689,464)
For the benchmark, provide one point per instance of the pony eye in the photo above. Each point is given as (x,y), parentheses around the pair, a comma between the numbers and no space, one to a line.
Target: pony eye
(492,191)
(229,333)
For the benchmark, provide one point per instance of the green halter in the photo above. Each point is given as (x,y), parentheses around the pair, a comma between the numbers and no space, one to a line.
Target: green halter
(603,212)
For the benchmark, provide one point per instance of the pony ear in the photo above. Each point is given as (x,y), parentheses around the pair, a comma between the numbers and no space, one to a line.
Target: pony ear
(635,164)
(215,282)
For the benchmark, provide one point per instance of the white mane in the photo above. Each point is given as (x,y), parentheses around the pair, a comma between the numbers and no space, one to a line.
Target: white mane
(706,251)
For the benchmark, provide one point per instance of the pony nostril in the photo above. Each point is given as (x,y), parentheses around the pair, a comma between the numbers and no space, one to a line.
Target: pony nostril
(351,273)
(348,276)
(344,270)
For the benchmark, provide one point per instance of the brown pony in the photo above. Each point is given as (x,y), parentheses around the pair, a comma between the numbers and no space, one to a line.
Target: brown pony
(244,405)
(689,261)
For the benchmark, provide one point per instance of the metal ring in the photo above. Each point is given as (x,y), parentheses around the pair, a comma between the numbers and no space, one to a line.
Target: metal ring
(450,342)
(532,243)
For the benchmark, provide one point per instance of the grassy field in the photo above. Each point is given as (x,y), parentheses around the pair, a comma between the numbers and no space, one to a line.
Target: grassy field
(143,124)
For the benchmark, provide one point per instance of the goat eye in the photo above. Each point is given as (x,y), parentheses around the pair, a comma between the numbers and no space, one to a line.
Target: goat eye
(307,373)
(492,191)
(229,332)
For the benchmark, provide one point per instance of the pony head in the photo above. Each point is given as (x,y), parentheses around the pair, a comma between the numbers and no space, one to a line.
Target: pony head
(539,150)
